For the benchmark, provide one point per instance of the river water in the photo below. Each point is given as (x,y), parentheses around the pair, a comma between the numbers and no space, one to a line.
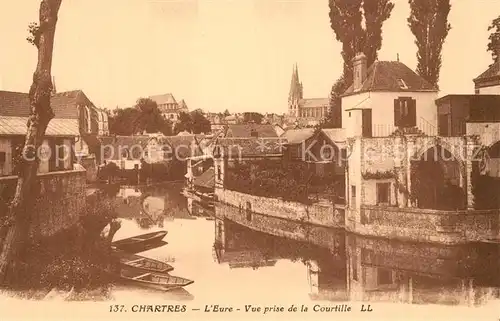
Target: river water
(259,259)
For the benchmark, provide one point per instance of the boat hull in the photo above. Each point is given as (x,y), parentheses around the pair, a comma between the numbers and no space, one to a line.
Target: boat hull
(157,281)
(142,264)
(140,242)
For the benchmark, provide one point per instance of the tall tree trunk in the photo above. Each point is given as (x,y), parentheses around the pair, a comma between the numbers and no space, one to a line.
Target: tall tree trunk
(18,216)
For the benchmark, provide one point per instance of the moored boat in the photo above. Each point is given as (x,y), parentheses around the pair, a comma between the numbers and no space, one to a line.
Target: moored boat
(159,281)
(142,263)
(132,244)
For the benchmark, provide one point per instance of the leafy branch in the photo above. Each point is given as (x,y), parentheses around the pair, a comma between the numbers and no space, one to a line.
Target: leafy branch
(34,34)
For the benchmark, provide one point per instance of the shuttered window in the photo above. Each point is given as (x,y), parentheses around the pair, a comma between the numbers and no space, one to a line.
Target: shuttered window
(405,112)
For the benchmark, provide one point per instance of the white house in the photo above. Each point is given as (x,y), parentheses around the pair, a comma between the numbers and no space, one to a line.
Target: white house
(390,120)
(386,96)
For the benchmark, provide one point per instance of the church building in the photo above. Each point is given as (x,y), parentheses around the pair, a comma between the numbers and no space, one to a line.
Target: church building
(304,111)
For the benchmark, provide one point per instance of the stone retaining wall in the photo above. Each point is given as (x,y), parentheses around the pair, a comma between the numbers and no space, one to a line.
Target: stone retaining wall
(328,215)
(61,200)
(422,225)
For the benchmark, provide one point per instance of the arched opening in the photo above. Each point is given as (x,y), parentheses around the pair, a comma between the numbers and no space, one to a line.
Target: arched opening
(485,178)
(436,180)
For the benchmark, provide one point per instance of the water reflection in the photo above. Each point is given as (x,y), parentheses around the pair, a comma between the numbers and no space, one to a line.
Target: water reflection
(343,267)
(292,261)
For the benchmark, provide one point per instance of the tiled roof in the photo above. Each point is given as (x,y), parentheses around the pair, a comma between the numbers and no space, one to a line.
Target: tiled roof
(112,145)
(182,146)
(386,76)
(251,146)
(245,130)
(297,136)
(207,179)
(491,72)
(63,104)
(336,135)
(314,102)
(57,127)
(164,99)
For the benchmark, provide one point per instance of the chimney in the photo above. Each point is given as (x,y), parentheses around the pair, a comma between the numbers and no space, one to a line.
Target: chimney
(359,69)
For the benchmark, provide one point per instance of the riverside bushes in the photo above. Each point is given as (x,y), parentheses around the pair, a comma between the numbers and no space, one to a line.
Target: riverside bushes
(290,181)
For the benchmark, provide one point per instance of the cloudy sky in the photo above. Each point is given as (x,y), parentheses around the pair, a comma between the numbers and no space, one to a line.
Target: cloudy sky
(218,54)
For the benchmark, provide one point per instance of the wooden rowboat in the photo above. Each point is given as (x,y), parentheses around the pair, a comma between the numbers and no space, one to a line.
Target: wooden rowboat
(159,281)
(132,244)
(141,263)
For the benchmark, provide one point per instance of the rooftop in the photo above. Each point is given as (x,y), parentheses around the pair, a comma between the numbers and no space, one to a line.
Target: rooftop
(492,72)
(297,136)
(63,104)
(163,99)
(57,126)
(390,76)
(245,130)
(251,146)
(314,102)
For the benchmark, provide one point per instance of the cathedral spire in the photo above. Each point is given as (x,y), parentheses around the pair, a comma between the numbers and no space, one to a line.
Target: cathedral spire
(295,85)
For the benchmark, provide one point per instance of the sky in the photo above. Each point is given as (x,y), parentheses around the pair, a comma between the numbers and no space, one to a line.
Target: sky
(219,54)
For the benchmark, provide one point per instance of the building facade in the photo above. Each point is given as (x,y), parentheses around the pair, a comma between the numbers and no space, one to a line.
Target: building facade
(169,107)
(77,121)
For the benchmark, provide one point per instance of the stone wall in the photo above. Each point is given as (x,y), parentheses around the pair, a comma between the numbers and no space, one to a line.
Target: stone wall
(332,239)
(321,214)
(422,225)
(61,201)
(489,133)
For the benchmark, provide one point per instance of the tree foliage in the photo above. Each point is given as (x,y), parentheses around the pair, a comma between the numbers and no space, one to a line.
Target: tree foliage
(346,20)
(252,117)
(428,22)
(494,39)
(346,17)
(200,123)
(194,122)
(145,116)
(334,117)
(34,34)
(150,119)
(122,121)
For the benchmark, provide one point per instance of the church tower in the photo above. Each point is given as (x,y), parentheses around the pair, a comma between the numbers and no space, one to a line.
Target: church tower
(295,94)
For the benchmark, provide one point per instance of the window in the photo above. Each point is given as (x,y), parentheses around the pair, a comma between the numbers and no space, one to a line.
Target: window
(353,196)
(2,157)
(384,277)
(405,113)
(219,174)
(402,84)
(383,193)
